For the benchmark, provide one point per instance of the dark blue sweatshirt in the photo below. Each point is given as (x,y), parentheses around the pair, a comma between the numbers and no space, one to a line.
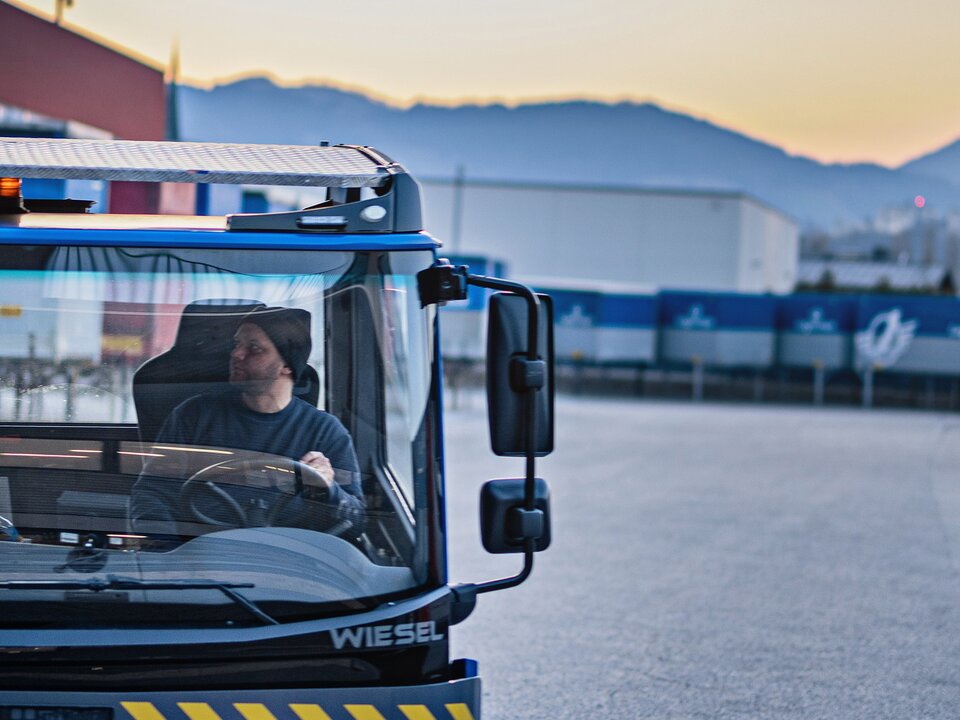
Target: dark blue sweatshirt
(223,421)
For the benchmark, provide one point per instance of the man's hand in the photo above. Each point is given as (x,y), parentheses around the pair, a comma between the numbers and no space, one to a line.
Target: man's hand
(319,462)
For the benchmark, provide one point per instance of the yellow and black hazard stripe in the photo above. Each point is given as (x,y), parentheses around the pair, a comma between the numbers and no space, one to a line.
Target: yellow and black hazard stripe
(259,711)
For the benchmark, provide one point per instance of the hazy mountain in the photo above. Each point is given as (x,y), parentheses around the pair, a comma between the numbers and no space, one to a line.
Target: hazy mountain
(572,142)
(943,164)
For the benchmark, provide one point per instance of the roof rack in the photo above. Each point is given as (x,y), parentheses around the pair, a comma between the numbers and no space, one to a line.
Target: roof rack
(345,169)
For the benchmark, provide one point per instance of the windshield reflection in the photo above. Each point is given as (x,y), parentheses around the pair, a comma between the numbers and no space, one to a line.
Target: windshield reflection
(109,344)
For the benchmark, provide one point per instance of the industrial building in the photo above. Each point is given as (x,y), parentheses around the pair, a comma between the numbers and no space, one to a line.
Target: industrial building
(678,239)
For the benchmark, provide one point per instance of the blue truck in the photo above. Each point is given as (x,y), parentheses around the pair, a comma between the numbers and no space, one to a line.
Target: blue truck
(252,599)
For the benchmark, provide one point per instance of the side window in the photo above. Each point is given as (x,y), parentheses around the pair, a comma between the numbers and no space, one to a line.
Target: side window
(407,375)
(61,360)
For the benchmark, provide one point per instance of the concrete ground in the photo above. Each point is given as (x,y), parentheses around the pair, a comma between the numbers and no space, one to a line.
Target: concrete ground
(722,561)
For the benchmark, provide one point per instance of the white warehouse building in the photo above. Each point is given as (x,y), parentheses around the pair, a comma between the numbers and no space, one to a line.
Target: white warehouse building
(670,239)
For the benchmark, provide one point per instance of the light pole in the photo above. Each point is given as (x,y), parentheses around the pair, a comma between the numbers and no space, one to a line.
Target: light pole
(457,215)
(60,7)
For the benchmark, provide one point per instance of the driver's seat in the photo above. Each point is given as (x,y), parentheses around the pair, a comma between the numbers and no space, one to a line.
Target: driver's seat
(198,362)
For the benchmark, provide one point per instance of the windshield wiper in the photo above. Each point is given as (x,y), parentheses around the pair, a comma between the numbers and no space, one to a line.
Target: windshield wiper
(116,582)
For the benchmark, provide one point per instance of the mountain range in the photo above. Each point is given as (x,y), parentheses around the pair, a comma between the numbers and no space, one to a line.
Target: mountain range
(577,142)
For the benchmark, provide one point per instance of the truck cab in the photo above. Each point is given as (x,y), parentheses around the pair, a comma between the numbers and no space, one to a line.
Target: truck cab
(255,594)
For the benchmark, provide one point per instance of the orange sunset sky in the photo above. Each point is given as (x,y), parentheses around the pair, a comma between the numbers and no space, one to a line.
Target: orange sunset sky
(838,81)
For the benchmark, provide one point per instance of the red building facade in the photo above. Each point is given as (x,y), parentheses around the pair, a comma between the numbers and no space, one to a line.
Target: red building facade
(55,72)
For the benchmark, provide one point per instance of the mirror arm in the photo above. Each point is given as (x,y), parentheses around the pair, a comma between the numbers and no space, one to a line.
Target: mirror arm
(533,304)
(465,594)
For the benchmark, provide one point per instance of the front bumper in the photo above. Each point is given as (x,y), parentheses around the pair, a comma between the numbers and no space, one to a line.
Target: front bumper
(453,700)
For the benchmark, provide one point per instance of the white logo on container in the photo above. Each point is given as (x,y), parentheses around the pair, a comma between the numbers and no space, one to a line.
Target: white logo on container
(816,323)
(886,338)
(576,318)
(696,319)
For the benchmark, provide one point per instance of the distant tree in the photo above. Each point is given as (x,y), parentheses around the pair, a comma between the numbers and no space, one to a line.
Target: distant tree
(883,285)
(947,286)
(814,244)
(827,281)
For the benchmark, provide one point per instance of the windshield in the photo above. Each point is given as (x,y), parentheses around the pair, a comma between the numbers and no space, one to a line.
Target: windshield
(173,421)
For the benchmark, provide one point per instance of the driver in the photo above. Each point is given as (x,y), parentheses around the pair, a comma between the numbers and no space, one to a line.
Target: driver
(261,414)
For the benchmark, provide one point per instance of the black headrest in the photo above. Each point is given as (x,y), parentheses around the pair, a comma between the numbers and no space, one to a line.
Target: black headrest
(204,325)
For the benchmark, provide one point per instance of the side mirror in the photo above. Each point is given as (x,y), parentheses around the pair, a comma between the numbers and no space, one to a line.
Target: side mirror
(507,337)
(504,524)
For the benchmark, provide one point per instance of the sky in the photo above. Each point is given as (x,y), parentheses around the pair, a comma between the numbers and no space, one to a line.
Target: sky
(838,80)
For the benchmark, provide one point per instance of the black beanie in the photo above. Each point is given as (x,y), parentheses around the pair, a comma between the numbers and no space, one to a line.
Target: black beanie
(289,331)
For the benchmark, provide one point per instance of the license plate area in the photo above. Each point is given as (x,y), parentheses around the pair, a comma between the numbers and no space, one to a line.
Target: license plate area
(41,712)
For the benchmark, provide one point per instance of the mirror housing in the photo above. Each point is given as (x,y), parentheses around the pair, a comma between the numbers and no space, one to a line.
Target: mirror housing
(510,373)
(504,524)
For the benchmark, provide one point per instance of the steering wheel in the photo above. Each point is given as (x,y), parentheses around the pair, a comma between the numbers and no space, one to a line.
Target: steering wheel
(202,489)
(8,530)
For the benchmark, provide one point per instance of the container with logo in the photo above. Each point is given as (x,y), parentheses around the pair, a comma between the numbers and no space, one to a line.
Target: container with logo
(627,331)
(717,329)
(601,322)
(816,330)
(909,334)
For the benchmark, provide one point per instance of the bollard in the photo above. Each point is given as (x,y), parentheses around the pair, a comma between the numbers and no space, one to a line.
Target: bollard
(578,357)
(125,390)
(931,393)
(819,380)
(639,384)
(18,392)
(70,410)
(697,385)
(758,385)
(868,386)
(454,377)
(109,374)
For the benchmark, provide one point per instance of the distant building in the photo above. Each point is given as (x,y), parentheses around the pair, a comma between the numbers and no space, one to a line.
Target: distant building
(851,276)
(900,246)
(678,239)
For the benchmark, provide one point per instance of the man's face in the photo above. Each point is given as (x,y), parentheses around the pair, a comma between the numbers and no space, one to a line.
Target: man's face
(255,364)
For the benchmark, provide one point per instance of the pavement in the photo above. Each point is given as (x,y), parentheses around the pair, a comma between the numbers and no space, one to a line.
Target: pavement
(721,561)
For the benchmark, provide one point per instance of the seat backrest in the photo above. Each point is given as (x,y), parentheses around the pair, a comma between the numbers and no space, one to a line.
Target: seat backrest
(198,362)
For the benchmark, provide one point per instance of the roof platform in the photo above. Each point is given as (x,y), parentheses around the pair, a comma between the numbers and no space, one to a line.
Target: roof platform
(368,192)
(194,162)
